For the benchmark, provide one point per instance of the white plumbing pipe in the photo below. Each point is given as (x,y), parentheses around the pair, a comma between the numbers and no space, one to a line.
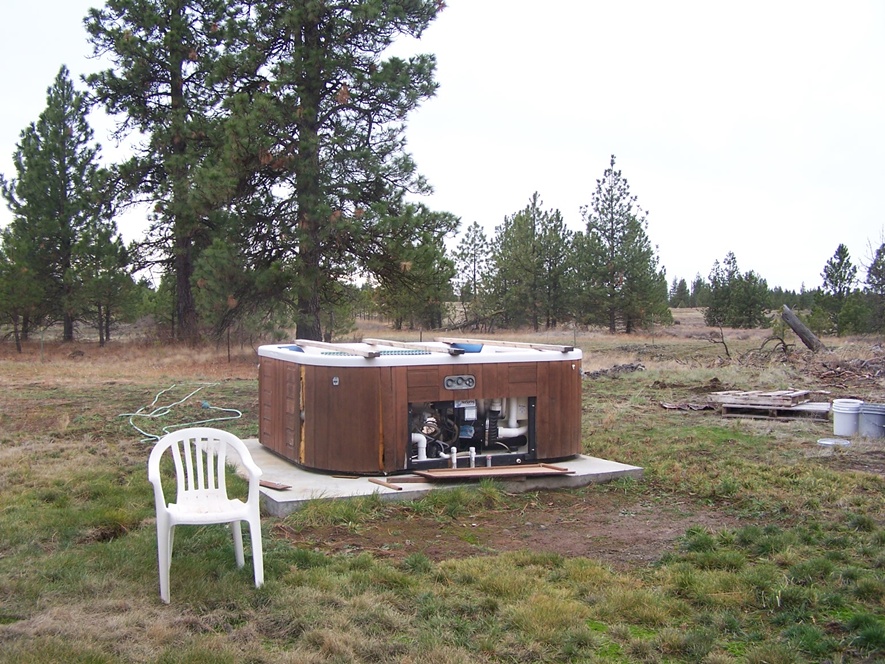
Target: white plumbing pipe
(512,407)
(421,441)
(513,432)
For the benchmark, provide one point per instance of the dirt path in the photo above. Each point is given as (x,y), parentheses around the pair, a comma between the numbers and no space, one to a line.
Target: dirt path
(619,530)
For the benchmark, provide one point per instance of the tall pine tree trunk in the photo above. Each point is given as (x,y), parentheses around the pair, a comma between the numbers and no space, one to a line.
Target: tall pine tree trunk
(184,222)
(101,339)
(107,324)
(16,334)
(185,309)
(67,327)
(308,191)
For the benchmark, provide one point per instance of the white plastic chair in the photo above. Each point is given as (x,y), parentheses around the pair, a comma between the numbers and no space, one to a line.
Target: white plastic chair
(200,456)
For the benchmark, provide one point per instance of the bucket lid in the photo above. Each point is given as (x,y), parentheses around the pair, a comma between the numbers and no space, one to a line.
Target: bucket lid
(847,402)
(830,442)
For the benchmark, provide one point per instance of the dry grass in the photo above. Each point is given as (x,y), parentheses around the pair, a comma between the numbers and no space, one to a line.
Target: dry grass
(50,364)
(686,344)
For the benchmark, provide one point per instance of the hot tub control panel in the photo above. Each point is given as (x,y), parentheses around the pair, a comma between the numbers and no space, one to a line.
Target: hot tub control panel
(463,382)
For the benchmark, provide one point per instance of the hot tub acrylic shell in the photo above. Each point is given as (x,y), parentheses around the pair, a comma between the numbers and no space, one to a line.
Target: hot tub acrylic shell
(327,410)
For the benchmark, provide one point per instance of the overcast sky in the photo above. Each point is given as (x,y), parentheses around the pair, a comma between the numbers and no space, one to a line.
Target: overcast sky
(752,127)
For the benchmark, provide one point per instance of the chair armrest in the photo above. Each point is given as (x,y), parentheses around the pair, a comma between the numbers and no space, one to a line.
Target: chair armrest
(251,468)
(155,479)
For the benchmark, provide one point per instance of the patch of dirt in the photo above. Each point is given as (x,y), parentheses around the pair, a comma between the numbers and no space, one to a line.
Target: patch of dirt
(621,531)
(866,462)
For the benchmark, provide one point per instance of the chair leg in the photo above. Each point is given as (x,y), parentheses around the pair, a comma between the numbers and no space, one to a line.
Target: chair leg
(237,530)
(165,534)
(257,552)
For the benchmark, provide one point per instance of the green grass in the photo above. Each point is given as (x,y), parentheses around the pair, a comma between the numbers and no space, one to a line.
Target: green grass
(797,576)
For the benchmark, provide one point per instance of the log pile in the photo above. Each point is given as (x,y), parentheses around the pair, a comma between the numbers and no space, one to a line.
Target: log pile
(846,373)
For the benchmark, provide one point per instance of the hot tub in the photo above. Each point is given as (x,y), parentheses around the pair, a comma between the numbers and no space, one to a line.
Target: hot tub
(388,407)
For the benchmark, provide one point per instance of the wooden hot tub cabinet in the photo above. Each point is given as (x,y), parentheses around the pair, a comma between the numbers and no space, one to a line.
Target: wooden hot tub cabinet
(353,408)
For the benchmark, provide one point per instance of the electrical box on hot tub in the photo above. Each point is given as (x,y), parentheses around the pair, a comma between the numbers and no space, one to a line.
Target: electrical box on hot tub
(389,407)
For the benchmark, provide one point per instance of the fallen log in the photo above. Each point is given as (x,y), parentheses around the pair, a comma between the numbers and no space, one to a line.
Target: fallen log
(807,336)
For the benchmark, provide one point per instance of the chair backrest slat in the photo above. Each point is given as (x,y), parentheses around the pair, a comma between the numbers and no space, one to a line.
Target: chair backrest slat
(197,451)
(180,475)
(207,463)
(220,467)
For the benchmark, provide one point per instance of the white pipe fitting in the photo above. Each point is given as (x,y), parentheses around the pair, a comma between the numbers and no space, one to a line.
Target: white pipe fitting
(421,441)
(513,432)
(512,408)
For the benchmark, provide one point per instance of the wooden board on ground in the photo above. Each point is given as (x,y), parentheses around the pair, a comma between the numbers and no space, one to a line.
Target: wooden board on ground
(274,485)
(385,483)
(812,410)
(776,399)
(511,472)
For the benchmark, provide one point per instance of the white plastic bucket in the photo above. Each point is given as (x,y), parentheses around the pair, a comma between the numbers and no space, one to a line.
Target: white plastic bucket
(846,414)
(871,422)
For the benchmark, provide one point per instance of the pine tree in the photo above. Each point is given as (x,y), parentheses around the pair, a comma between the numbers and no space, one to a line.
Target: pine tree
(839,274)
(700,292)
(55,197)
(416,295)
(839,277)
(106,286)
(723,277)
(472,257)
(736,299)
(528,266)
(875,285)
(274,126)
(316,130)
(679,294)
(620,283)
(516,267)
(165,85)
(555,254)
(22,294)
(875,281)
(472,266)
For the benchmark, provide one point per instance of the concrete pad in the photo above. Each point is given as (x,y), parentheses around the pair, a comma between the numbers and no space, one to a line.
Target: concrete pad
(307,485)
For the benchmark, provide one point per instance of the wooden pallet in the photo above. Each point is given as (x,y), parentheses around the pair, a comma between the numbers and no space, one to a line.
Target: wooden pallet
(805,410)
(759,399)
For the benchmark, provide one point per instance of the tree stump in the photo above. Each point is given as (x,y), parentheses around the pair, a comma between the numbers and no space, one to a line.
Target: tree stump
(807,336)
